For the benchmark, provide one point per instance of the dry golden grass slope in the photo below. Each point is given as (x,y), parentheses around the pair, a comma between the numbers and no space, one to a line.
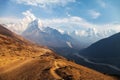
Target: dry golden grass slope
(22,60)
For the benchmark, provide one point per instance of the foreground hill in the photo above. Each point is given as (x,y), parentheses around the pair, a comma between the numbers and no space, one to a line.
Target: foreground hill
(22,60)
(108,47)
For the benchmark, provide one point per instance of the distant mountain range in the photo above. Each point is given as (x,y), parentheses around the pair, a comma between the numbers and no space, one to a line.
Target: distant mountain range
(46,36)
(85,36)
(51,38)
(91,35)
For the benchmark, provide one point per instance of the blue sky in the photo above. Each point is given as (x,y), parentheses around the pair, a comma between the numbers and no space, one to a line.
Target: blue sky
(95,11)
(65,15)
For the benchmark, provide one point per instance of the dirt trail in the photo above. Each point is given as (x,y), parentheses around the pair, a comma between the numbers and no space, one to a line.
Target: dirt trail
(14,65)
(57,64)
(27,69)
(19,62)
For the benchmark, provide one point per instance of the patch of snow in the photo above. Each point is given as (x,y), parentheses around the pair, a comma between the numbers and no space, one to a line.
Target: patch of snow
(61,31)
(69,44)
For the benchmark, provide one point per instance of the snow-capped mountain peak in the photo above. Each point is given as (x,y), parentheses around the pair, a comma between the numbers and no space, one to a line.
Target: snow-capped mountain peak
(35,25)
(92,32)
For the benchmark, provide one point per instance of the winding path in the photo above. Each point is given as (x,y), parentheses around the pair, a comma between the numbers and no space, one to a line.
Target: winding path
(86,60)
(57,64)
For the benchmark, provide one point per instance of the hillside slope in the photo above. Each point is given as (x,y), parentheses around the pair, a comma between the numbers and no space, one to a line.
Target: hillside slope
(105,51)
(107,47)
(22,60)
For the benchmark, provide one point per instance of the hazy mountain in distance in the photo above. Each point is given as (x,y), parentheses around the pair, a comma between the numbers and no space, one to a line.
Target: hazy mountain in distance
(91,35)
(83,37)
(50,37)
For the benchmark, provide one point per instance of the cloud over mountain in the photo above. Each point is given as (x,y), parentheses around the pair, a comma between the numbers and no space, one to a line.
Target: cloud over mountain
(74,23)
(42,3)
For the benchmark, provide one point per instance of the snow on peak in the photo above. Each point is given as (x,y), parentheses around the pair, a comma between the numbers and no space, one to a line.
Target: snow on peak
(28,20)
(92,31)
(36,23)
(61,31)
(76,32)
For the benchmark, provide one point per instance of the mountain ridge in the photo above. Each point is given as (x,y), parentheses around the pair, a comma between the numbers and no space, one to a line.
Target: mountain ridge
(51,38)
(105,51)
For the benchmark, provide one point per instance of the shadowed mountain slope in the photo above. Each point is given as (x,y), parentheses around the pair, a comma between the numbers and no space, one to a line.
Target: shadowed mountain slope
(105,52)
(108,47)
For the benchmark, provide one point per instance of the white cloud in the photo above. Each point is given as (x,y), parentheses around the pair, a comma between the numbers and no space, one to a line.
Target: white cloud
(94,14)
(16,24)
(43,3)
(5,20)
(61,31)
(101,3)
(69,23)
(29,16)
